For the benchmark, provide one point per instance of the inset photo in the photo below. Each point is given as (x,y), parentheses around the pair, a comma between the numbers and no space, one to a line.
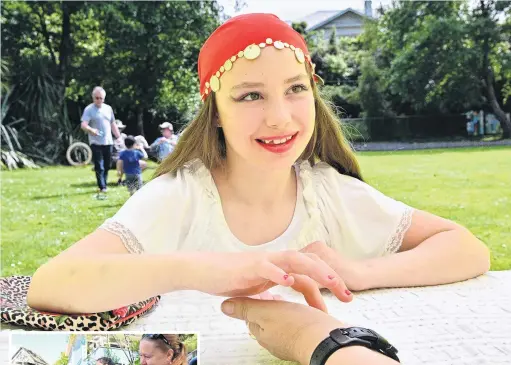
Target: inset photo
(115,348)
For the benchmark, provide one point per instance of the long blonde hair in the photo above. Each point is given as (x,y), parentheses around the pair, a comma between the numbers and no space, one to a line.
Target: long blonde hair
(203,139)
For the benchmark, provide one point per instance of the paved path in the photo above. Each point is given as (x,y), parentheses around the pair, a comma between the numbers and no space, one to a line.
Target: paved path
(402,146)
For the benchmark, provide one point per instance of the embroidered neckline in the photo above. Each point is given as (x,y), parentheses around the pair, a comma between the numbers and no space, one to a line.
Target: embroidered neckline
(305,184)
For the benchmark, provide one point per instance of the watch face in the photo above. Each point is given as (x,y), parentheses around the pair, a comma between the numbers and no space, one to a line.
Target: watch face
(363,337)
(338,336)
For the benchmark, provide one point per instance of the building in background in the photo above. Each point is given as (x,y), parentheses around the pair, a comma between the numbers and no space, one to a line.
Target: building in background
(347,23)
(25,356)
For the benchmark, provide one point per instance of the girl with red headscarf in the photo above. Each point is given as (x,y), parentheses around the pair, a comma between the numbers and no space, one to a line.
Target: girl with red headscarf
(262,189)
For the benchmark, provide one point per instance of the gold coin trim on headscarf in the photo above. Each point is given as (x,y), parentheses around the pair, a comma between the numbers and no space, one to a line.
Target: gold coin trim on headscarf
(252,52)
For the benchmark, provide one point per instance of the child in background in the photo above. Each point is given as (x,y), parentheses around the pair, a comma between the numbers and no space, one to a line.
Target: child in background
(164,145)
(129,164)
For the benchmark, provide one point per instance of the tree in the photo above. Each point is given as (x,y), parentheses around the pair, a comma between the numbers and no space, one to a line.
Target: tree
(451,73)
(151,54)
(190,341)
(130,345)
(333,42)
(425,72)
(311,37)
(63,359)
(300,27)
(144,54)
(488,35)
(36,40)
(370,90)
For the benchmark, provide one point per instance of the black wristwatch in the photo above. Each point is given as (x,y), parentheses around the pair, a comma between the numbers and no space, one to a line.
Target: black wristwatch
(352,336)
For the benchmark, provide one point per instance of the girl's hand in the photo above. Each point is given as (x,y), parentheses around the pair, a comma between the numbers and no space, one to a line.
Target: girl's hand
(350,271)
(252,273)
(266,295)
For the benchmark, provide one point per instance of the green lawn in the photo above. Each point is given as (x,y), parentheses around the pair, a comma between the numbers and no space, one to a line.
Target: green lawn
(44,211)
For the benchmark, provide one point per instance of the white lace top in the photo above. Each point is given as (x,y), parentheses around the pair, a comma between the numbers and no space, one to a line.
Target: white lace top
(184,213)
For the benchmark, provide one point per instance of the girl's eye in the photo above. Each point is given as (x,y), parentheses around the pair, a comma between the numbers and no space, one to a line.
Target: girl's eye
(250,97)
(298,88)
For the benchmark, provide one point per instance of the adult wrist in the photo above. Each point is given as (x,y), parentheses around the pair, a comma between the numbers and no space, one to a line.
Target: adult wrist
(358,355)
(357,337)
(310,337)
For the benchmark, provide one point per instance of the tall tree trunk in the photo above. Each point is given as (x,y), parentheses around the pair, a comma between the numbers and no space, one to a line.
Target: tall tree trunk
(65,53)
(140,119)
(65,45)
(501,116)
(488,80)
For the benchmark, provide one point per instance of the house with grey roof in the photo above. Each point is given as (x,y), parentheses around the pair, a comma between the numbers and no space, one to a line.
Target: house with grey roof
(347,23)
(25,356)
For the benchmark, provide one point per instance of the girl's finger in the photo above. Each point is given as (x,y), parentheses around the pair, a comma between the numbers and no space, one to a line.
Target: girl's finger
(306,264)
(340,290)
(310,291)
(269,271)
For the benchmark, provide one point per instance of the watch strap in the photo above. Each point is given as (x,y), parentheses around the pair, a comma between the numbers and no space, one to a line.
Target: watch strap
(324,350)
(352,336)
(370,339)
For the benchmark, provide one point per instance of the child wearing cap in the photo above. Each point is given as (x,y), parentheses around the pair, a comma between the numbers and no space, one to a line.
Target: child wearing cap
(164,145)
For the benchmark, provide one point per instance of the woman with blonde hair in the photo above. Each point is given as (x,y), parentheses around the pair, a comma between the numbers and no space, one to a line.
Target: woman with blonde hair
(162,349)
(262,190)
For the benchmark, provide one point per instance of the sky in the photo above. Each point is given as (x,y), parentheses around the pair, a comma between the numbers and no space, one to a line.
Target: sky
(296,9)
(47,345)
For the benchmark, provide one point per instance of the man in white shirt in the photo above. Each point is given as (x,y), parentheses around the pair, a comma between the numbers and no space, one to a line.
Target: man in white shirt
(98,122)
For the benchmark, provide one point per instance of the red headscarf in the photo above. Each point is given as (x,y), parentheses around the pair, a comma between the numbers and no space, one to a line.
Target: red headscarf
(229,42)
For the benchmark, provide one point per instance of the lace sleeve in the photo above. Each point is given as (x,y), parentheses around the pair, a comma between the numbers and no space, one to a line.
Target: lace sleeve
(158,217)
(395,241)
(127,237)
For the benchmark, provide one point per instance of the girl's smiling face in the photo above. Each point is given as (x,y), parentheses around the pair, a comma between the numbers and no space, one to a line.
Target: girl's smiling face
(266,109)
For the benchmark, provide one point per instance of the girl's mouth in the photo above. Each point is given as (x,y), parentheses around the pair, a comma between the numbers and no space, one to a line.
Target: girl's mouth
(278,144)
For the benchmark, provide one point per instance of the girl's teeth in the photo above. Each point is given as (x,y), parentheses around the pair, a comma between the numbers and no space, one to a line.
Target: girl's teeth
(277,141)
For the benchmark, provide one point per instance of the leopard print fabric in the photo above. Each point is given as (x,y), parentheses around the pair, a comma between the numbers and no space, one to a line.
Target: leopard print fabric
(15,311)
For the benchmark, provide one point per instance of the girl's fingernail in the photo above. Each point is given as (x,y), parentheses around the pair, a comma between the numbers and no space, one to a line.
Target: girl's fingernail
(331,277)
(347,292)
(286,276)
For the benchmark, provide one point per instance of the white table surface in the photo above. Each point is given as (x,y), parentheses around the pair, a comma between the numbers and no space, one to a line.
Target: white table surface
(4,348)
(463,323)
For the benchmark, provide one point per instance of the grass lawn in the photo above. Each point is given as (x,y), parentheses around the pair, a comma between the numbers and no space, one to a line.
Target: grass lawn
(45,211)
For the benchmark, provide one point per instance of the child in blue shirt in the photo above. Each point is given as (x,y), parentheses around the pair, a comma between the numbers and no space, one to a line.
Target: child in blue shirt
(129,164)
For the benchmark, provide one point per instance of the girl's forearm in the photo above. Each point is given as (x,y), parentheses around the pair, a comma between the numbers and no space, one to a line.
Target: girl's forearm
(97,283)
(446,257)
